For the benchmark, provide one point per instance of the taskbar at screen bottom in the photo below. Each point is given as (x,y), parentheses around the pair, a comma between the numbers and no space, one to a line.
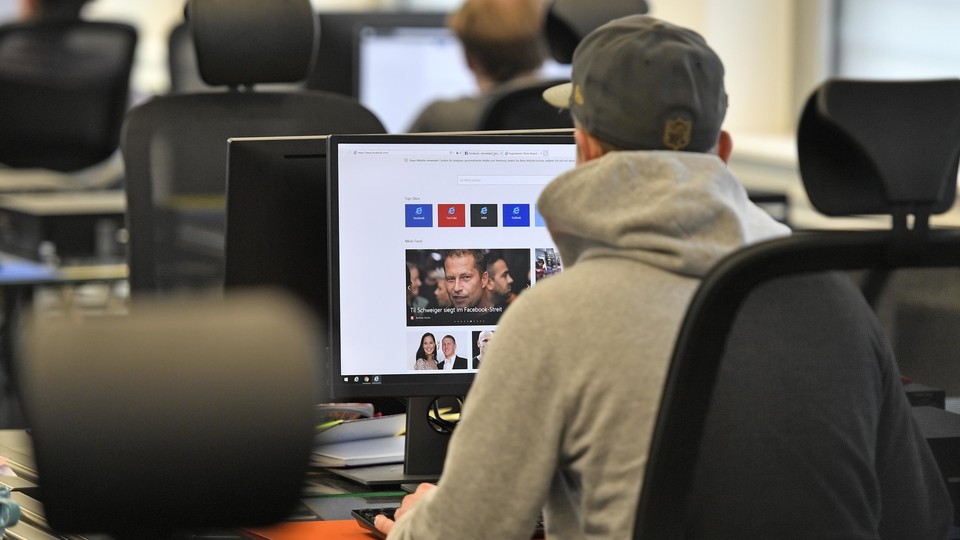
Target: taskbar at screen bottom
(420,384)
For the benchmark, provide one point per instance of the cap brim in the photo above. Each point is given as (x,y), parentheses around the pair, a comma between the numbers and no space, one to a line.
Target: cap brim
(559,95)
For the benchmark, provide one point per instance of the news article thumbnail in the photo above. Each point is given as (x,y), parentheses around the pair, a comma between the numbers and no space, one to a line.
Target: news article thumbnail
(438,349)
(462,286)
(546,263)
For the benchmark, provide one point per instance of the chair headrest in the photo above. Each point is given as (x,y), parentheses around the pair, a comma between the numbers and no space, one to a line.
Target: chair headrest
(245,42)
(569,21)
(184,414)
(881,147)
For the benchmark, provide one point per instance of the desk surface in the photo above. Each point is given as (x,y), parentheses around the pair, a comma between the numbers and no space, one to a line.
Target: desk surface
(15,445)
(298,530)
(69,203)
(19,271)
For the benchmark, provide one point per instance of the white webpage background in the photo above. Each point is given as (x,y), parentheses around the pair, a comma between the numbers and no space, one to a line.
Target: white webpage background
(376,182)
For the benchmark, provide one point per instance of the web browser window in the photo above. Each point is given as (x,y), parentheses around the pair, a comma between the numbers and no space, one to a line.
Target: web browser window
(435,207)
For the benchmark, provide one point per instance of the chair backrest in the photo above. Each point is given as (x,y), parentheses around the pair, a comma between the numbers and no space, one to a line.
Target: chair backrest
(521,106)
(569,21)
(64,89)
(183,414)
(864,147)
(175,146)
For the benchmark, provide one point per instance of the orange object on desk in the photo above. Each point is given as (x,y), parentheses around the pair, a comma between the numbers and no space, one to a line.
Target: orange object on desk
(346,529)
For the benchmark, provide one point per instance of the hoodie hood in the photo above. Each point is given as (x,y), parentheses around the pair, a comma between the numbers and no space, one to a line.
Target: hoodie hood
(679,211)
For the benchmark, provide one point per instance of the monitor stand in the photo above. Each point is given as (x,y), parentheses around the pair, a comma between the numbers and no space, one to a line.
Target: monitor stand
(425,451)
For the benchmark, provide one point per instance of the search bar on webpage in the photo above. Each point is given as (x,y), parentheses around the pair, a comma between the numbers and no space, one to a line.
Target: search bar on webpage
(477,180)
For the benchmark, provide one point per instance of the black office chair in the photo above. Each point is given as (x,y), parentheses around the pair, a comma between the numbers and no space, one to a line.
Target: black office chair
(520,105)
(183,69)
(64,89)
(183,415)
(182,61)
(569,21)
(175,146)
(864,148)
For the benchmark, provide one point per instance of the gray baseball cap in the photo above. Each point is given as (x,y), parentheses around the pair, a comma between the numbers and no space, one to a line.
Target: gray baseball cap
(641,83)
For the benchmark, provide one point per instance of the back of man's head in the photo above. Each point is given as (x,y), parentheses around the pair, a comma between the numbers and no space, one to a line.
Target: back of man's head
(503,38)
(640,83)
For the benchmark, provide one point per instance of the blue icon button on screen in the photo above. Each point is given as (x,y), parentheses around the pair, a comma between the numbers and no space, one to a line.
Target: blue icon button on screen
(516,215)
(419,215)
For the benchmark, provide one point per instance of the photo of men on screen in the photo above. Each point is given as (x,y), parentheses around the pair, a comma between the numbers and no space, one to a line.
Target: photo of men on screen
(547,263)
(449,357)
(481,340)
(462,286)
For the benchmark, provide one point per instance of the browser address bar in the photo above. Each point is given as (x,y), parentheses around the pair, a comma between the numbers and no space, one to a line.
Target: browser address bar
(405,152)
(478,180)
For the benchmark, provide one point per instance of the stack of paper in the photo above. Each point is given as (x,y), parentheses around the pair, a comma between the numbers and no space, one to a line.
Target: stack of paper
(330,413)
(355,443)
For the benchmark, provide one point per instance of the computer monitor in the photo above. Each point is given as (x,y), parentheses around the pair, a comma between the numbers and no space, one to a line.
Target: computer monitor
(9,10)
(333,69)
(402,68)
(405,201)
(276,216)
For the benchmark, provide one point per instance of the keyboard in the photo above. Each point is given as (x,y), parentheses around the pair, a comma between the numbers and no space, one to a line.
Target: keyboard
(365,517)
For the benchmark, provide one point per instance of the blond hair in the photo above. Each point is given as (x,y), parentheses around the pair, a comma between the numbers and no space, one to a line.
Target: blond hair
(503,38)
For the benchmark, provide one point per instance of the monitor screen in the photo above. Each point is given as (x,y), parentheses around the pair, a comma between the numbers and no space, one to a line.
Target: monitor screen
(9,10)
(430,206)
(402,69)
(418,225)
(333,69)
(276,216)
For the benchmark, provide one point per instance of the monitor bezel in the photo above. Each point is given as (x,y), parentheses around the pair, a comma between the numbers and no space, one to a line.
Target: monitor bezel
(258,179)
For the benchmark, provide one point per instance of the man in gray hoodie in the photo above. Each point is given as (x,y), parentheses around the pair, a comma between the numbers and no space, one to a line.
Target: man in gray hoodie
(559,419)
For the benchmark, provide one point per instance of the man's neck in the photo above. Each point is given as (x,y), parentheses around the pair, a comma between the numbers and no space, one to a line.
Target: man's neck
(486,84)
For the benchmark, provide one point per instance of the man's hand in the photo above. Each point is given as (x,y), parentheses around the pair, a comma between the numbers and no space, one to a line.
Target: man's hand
(384,524)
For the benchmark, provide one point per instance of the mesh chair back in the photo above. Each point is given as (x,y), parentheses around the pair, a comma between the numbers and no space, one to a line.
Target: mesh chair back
(63,92)
(175,146)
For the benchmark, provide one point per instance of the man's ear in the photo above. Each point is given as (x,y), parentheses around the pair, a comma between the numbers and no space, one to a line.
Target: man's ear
(588,147)
(725,146)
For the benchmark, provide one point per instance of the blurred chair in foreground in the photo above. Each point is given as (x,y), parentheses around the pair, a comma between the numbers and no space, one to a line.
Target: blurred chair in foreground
(771,339)
(175,146)
(181,415)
